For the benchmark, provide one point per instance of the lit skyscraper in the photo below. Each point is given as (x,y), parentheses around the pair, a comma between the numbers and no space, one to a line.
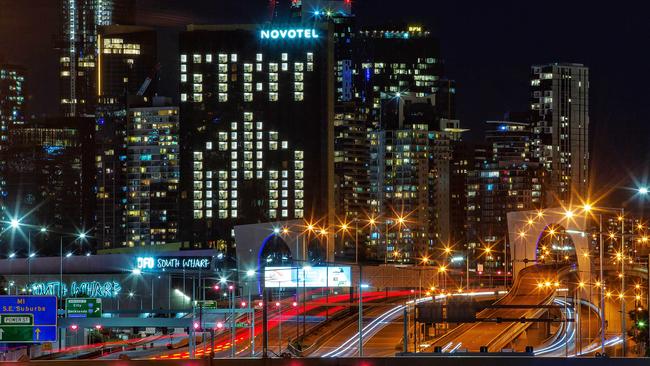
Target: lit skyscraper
(79,49)
(257,131)
(560,116)
(12,113)
(152,174)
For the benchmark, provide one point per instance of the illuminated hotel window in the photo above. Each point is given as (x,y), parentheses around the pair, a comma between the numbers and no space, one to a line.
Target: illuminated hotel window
(233,213)
(273,97)
(310,56)
(208,145)
(273,87)
(248,97)
(183,97)
(299,66)
(285,213)
(258,145)
(298,76)
(273,214)
(299,213)
(233,57)
(248,78)
(233,126)
(258,57)
(223,214)
(223,78)
(196,59)
(248,126)
(258,165)
(208,213)
(248,87)
(183,58)
(259,155)
(223,87)
(259,174)
(223,97)
(208,58)
(273,67)
(223,68)
(310,66)
(198,98)
(183,68)
(198,214)
(198,88)
(259,86)
(223,58)
(248,145)
(273,77)
(285,66)
(299,184)
(197,78)
(299,96)
(298,154)
(183,78)
(258,67)
(285,144)
(223,174)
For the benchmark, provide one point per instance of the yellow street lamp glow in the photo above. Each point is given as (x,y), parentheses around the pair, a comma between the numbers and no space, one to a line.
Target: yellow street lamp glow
(310,227)
(581,284)
(551,231)
(487,250)
(597,283)
(372,221)
(433,288)
(608,294)
(637,286)
(425,260)
(344,227)
(530,221)
(285,230)
(587,207)
(540,285)
(522,234)
(540,214)
(447,250)
(547,283)
(400,220)
(620,296)
(612,235)
(620,218)
(556,284)
(638,297)
(323,231)
(585,254)
(442,269)
(568,214)
(639,226)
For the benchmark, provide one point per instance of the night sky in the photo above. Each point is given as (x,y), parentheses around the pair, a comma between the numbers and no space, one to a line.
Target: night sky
(488,48)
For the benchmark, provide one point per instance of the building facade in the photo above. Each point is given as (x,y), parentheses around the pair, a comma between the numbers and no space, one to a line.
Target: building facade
(153,177)
(257,134)
(79,49)
(560,116)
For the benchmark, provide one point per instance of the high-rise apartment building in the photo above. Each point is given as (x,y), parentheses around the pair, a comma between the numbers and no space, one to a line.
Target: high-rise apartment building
(257,133)
(560,116)
(153,177)
(510,180)
(79,49)
(126,66)
(12,114)
(409,182)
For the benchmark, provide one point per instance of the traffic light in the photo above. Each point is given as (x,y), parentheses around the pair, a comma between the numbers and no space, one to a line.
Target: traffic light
(640,324)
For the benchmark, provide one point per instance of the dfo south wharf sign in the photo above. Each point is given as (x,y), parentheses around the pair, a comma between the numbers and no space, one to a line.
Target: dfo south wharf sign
(291,33)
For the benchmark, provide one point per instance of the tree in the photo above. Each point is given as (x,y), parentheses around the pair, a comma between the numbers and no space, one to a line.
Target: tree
(639,332)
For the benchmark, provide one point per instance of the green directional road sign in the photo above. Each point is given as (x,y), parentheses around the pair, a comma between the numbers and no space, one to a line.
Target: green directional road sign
(205,305)
(83,308)
(16,333)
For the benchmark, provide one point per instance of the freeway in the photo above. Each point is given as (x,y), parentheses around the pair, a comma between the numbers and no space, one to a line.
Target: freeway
(494,335)
(382,333)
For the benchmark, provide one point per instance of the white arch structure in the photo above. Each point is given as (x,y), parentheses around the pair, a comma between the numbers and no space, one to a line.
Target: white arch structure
(527,228)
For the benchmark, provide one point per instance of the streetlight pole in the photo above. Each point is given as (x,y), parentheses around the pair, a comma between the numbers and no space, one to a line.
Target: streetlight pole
(622,297)
(602,286)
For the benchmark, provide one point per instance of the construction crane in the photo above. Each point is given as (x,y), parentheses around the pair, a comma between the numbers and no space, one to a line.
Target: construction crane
(147,81)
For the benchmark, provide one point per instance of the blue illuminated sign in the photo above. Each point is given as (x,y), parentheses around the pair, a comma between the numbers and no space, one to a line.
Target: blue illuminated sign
(76,289)
(42,308)
(289,33)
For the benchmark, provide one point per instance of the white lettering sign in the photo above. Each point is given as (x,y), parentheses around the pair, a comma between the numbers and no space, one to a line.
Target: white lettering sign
(288,33)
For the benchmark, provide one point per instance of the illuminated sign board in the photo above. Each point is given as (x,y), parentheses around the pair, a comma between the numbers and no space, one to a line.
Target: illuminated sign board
(335,276)
(76,289)
(291,33)
(174,263)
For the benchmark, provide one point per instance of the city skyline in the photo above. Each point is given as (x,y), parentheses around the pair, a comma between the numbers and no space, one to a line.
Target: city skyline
(487,88)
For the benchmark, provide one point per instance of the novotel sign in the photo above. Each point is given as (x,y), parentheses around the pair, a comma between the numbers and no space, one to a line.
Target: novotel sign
(289,33)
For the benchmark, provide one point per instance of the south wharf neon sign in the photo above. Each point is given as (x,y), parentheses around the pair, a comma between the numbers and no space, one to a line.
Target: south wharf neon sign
(289,33)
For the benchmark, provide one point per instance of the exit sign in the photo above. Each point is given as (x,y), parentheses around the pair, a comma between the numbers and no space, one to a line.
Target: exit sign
(83,308)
